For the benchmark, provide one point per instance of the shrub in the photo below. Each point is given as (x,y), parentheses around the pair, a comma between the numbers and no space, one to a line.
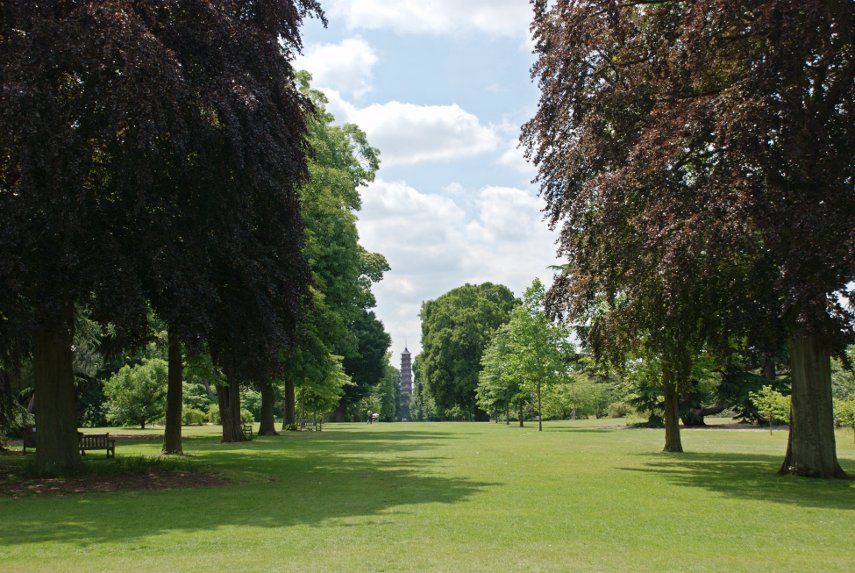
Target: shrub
(214,414)
(844,413)
(215,418)
(250,398)
(193,417)
(618,410)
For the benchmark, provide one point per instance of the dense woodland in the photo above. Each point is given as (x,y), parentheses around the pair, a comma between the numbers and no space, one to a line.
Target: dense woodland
(178,238)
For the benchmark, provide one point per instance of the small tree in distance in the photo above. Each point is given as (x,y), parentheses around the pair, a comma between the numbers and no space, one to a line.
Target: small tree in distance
(844,414)
(137,394)
(772,405)
(527,353)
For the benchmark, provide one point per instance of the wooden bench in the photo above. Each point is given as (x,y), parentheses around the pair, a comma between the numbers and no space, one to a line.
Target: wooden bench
(246,430)
(316,423)
(97,442)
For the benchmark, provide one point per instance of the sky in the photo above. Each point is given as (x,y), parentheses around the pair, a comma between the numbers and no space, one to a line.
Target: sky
(441,87)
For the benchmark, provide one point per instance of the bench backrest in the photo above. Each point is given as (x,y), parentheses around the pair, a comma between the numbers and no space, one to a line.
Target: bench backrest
(94,440)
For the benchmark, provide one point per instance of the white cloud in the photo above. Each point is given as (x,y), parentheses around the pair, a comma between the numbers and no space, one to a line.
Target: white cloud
(502,18)
(344,67)
(407,133)
(434,244)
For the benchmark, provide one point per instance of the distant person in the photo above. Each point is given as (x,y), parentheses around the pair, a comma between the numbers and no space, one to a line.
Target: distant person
(370,417)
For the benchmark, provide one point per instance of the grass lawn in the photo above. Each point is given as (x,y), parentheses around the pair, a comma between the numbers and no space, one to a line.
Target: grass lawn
(581,496)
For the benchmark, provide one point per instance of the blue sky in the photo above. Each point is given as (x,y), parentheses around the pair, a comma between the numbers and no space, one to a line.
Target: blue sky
(441,87)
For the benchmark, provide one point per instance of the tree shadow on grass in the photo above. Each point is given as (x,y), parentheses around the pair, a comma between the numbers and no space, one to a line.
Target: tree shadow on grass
(347,443)
(321,482)
(603,430)
(751,476)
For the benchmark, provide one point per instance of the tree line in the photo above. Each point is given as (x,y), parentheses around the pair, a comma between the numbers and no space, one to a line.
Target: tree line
(489,355)
(163,168)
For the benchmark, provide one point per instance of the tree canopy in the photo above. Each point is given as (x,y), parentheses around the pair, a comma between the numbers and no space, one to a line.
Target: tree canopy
(340,331)
(143,118)
(456,328)
(525,354)
(137,394)
(697,157)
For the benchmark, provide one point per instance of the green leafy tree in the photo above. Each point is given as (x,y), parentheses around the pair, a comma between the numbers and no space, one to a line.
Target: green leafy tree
(312,370)
(456,328)
(844,413)
(201,377)
(531,351)
(361,409)
(340,324)
(772,405)
(642,379)
(843,376)
(367,367)
(319,395)
(388,393)
(498,390)
(137,394)
(422,405)
(582,395)
(250,400)
(699,159)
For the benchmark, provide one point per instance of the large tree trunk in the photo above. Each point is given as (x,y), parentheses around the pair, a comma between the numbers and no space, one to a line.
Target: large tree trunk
(268,399)
(53,376)
(522,423)
(692,417)
(229,401)
(672,418)
(289,408)
(174,398)
(341,411)
(811,448)
(769,368)
(539,410)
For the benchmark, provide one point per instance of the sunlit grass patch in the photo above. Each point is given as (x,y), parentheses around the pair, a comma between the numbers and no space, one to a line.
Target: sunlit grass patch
(585,495)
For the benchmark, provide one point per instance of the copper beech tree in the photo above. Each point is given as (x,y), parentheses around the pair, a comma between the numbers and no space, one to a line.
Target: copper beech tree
(149,154)
(697,157)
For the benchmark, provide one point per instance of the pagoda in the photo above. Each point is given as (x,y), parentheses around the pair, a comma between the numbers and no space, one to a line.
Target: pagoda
(406,373)
(406,385)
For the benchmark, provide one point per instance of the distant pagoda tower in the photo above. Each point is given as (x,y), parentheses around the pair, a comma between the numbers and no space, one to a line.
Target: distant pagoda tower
(406,373)
(406,386)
